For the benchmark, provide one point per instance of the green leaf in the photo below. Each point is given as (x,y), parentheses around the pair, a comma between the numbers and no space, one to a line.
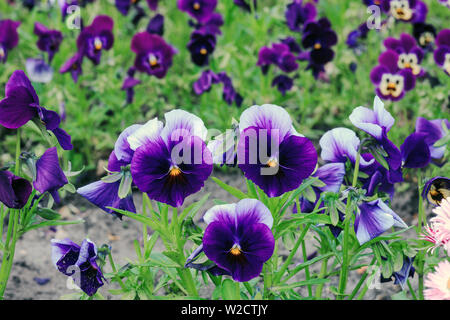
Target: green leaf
(310,195)
(125,185)
(193,209)
(230,290)
(111,178)
(300,284)
(70,188)
(400,296)
(48,214)
(231,190)
(51,223)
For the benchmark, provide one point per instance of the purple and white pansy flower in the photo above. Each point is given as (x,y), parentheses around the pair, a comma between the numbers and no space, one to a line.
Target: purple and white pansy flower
(171,162)
(271,153)
(373,219)
(442,52)
(410,54)
(238,237)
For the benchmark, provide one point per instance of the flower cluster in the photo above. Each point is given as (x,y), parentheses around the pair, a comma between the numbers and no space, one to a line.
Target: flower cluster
(442,52)
(91,42)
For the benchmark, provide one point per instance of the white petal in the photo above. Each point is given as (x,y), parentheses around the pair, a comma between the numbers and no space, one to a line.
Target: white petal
(146,132)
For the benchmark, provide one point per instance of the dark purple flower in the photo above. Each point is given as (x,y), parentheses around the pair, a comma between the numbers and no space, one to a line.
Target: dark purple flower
(212,25)
(425,35)
(434,131)
(64,6)
(96,37)
(401,276)
(207,266)
(406,10)
(271,153)
(49,175)
(390,81)
(173,162)
(410,54)
(283,83)
(49,40)
(125,5)
(292,43)
(208,78)
(415,151)
(153,55)
(280,55)
(128,85)
(205,82)
(78,262)
(244,4)
(373,219)
(238,238)
(9,38)
(21,105)
(354,37)
(156,25)
(436,189)
(74,66)
(318,35)
(442,52)
(201,46)
(153,4)
(14,190)
(201,10)
(378,179)
(297,14)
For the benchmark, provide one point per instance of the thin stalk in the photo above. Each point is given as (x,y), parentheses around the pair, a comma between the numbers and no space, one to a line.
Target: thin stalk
(113,266)
(361,281)
(8,255)
(17,164)
(421,222)
(323,272)
(413,294)
(345,245)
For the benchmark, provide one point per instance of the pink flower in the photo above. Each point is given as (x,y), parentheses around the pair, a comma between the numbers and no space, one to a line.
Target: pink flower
(438,283)
(438,232)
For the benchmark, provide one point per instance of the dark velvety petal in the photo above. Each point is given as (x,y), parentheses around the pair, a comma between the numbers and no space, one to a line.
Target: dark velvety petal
(14,111)
(49,175)
(105,195)
(434,131)
(8,33)
(377,73)
(393,153)
(415,151)
(152,166)
(74,66)
(14,191)
(64,139)
(64,254)
(295,161)
(153,4)
(156,25)
(283,83)
(50,118)
(410,79)
(201,10)
(321,56)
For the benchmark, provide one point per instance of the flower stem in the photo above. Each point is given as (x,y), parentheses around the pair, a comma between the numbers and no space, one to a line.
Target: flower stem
(17,163)
(323,272)
(361,281)
(113,266)
(421,222)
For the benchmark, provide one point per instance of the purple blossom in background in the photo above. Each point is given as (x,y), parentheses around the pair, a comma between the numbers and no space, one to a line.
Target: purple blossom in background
(49,175)
(158,168)
(9,38)
(79,262)
(425,35)
(401,276)
(292,43)
(38,70)
(445,3)
(153,55)
(391,82)
(125,5)
(297,14)
(201,10)
(354,37)
(129,83)
(152,4)
(21,105)
(271,153)
(64,5)
(244,4)
(410,54)
(238,238)
(74,66)
(156,25)
(373,219)
(442,52)
(280,55)
(49,40)
(406,10)
(283,83)
(14,190)
(208,78)
(433,131)
(211,26)
(201,46)
(96,37)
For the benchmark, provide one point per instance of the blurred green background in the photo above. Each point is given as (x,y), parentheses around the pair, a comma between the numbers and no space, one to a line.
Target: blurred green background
(96,108)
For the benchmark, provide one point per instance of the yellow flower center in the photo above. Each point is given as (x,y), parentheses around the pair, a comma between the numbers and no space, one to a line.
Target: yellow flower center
(203,51)
(272,163)
(97,44)
(407,65)
(2,53)
(196,6)
(174,171)
(317,46)
(235,250)
(153,61)
(391,86)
